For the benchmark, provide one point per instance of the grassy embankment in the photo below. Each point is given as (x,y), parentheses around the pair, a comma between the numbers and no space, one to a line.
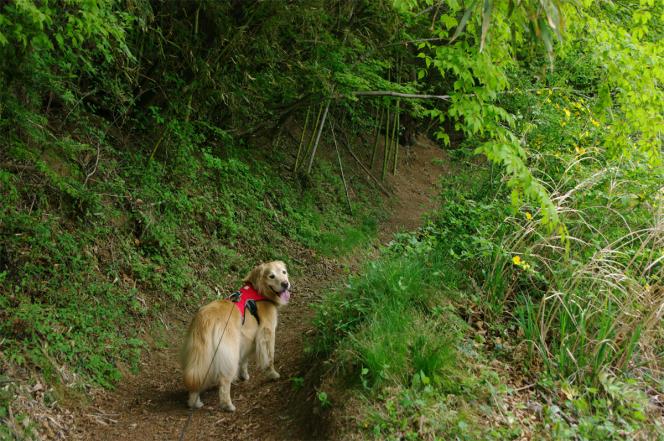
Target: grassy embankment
(485,325)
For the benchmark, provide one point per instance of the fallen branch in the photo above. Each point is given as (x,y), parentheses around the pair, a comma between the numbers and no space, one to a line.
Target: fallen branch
(89,175)
(17,167)
(276,217)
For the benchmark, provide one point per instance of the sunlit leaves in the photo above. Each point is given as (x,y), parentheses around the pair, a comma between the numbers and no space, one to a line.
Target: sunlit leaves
(490,39)
(631,99)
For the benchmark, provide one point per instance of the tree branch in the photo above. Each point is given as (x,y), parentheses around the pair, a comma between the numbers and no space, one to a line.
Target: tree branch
(400,95)
(89,175)
(448,97)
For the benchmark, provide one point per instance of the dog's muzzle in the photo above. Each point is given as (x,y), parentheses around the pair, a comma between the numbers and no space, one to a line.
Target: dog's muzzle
(284,294)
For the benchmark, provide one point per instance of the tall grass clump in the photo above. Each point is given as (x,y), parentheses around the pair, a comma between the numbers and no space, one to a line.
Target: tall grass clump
(386,324)
(587,302)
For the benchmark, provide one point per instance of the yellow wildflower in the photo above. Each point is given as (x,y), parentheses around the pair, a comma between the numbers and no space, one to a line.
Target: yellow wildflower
(579,150)
(528,216)
(567,112)
(594,122)
(516,260)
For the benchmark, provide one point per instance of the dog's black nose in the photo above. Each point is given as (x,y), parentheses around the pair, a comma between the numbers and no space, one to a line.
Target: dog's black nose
(284,285)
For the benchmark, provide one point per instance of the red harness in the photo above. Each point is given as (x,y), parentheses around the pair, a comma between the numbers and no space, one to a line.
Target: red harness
(245,298)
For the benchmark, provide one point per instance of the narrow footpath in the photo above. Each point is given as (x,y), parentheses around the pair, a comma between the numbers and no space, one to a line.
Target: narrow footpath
(151,405)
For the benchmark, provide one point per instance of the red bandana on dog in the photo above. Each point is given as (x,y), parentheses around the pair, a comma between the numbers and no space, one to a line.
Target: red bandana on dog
(244,297)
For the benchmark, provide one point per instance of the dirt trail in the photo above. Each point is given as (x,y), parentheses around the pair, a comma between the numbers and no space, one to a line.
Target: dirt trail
(151,404)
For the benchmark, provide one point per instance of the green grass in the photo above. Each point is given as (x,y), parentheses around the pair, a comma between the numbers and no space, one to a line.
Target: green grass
(397,333)
(569,317)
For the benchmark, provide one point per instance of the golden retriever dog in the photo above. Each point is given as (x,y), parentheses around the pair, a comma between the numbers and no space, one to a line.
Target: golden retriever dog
(225,333)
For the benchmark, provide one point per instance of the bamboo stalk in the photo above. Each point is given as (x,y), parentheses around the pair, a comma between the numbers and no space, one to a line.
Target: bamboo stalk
(341,167)
(379,111)
(307,150)
(158,143)
(320,130)
(191,93)
(395,130)
(386,150)
(396,138)
(299,147)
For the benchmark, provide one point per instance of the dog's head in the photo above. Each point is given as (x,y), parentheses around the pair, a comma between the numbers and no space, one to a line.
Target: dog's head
(271,280)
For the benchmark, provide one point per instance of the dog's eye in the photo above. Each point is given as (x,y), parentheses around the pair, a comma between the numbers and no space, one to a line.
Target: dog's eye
(284,272)
(271,276)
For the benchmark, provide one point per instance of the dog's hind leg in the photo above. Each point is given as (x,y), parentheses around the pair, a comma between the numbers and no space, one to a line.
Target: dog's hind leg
(228,370)
(194,401)
(225,395)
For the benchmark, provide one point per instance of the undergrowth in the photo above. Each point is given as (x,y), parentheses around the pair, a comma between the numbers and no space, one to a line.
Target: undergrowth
(485,325)
(442,333)
(85,270)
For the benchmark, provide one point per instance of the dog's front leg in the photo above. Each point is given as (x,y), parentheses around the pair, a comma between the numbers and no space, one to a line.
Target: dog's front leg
(272,373)
(265,351)
(247,348)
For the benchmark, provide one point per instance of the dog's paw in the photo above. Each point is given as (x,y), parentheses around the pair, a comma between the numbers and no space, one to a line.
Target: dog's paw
(228,407)
(244,376)
(273,375)
(195,404)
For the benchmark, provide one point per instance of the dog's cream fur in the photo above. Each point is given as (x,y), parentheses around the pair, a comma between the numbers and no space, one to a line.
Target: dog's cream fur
(239,341)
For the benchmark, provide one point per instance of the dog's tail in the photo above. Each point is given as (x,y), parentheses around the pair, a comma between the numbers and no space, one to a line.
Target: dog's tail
(207,339)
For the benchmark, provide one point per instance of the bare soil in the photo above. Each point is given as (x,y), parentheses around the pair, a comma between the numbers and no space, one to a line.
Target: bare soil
(151,405)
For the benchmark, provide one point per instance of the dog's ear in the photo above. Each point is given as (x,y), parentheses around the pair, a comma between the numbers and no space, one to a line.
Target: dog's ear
(254,276)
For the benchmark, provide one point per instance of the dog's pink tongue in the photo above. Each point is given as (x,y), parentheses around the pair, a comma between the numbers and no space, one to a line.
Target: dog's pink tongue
(285,296)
